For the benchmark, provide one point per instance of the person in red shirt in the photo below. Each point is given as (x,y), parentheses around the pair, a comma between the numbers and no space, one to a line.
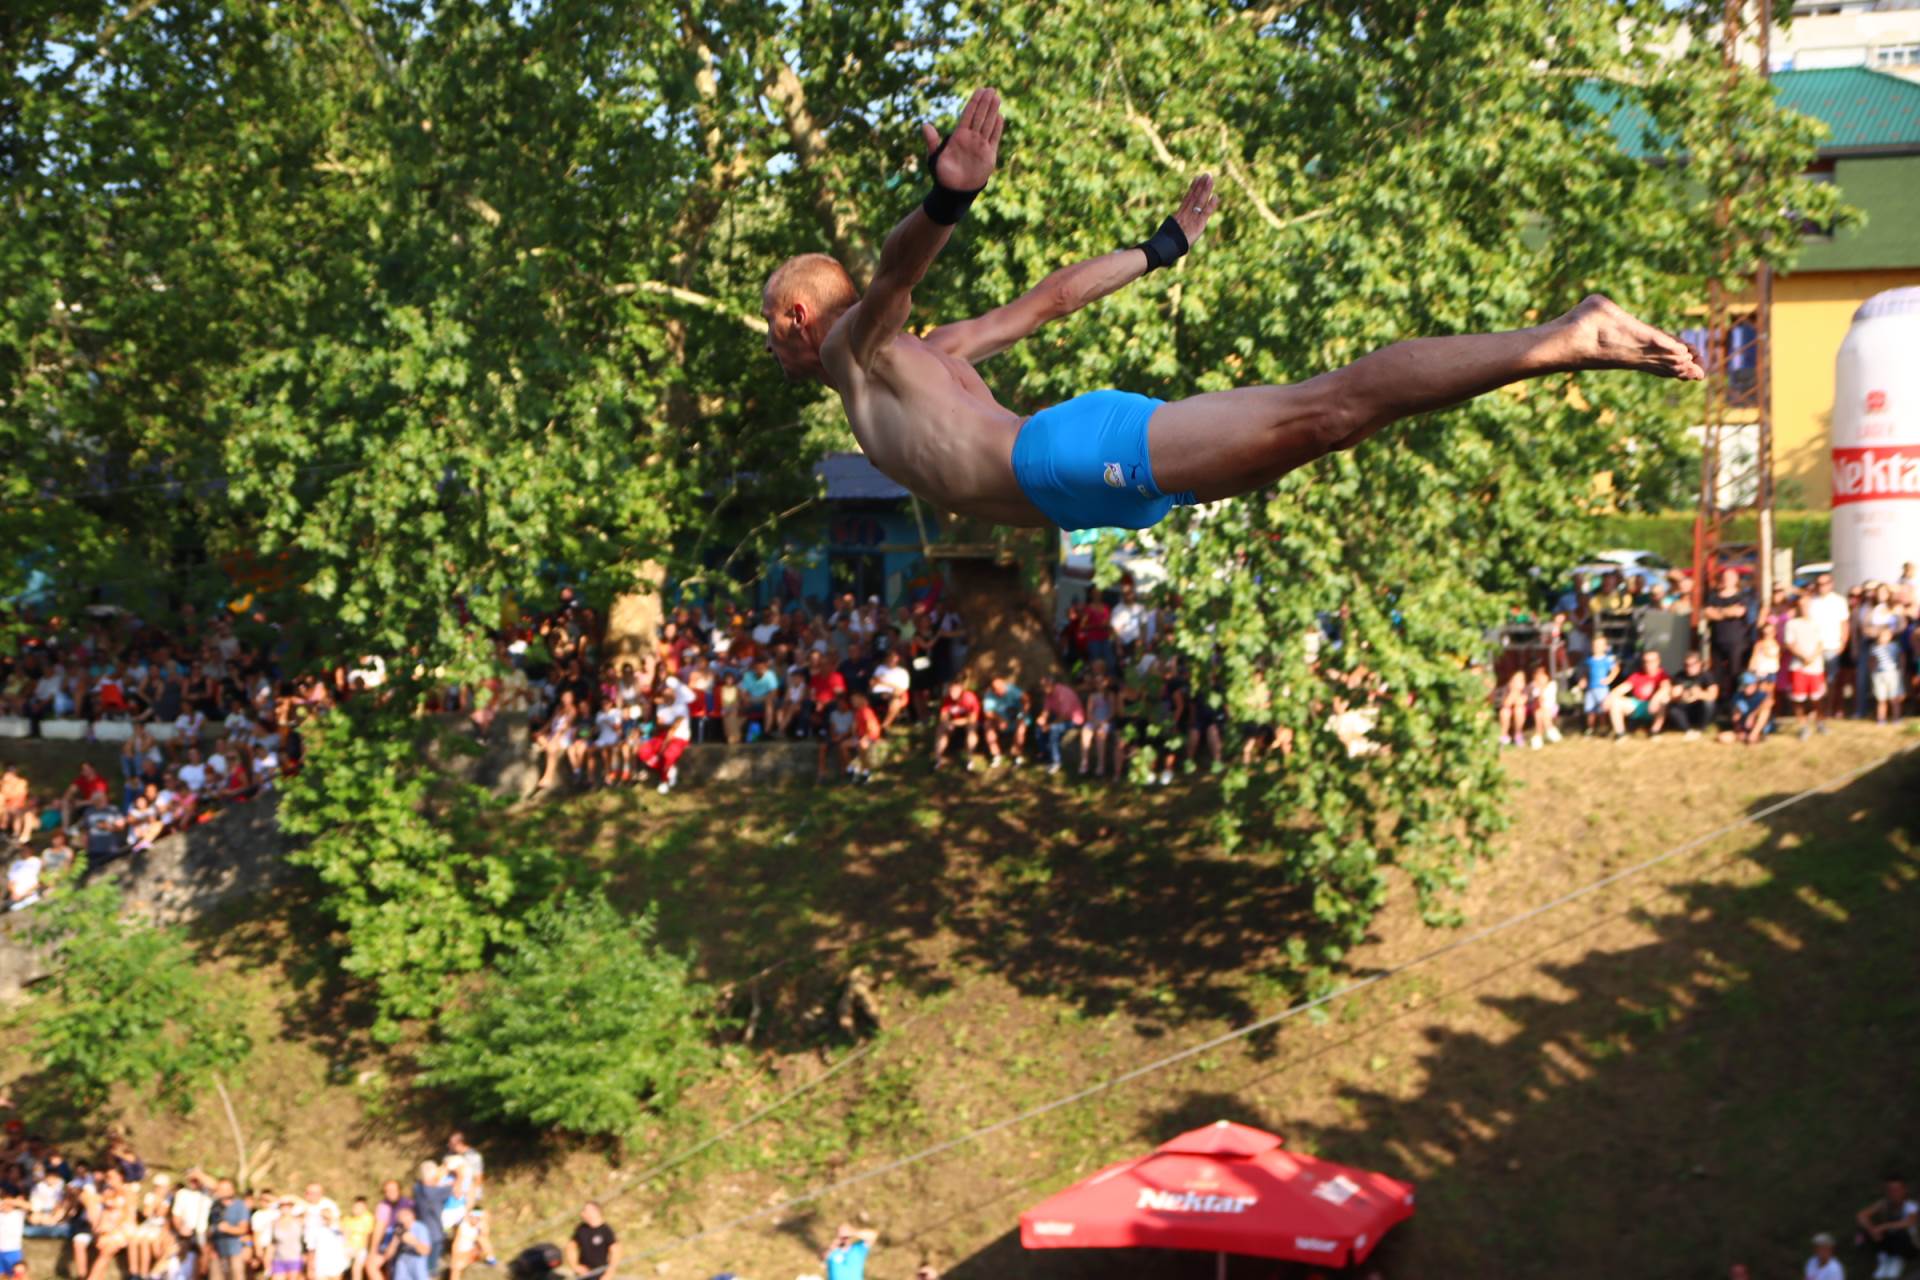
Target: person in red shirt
(1642,695)
(866,732)
(824,684)
(1096,630)
(86,786)
(959,714)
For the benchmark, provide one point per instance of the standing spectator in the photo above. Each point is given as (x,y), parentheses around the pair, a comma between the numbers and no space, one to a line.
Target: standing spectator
(385,1214)
(1096,630)
(327,1254)
(472,1243)
(1642,695)
(1883,665)
(1806,666)
(230,1230)
(469,1166)
(431,1191)
(1132,621)
(1596,679)
(1726,613)
(1823,1265)
(1889,1228)
(593,1248)
(1874,612)
(266,1212)
(289,1248)
(409,1254)
(959,716)
(192,1212)
(846,1257)
(357,1228)
(1833,619)
(1695,693)
(1061,713)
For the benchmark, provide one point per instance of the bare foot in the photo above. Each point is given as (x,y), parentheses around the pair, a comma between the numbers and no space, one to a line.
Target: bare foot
(1605,337)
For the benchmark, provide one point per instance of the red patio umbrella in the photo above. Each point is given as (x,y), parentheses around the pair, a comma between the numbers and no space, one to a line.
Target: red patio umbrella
(1226,1188)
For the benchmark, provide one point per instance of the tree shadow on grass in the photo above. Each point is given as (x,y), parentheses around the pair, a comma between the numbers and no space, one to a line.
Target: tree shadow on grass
(1715,1094)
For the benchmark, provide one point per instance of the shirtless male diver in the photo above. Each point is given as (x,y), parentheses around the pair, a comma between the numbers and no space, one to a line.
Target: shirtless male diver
(1113,458)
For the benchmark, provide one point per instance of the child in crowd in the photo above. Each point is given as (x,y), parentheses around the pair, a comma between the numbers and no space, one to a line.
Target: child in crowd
(1884,664)
(1596,678)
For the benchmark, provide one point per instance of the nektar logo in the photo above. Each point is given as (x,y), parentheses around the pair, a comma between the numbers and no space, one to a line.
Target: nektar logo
(1193,1202)
(1865,475)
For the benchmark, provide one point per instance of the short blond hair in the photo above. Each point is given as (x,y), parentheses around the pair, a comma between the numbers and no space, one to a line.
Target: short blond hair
(815,278)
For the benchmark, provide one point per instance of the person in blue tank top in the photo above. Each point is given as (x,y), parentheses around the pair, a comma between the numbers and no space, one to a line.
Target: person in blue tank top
(1114,458)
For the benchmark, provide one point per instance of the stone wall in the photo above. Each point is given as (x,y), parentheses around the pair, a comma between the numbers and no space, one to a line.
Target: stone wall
(178,880)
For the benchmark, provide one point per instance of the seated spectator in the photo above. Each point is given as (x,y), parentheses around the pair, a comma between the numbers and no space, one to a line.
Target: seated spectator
(1061,712)
(17,816)
(731,706)
(1889,1228)
(1597,675)
(23,879)
(662,751)
(56,860)
(105,833)
(838,740)
(1643,695)
(87,784)
(759,688)
(959,718)
(556,740)
(110,695)
(1752,710)
(891,688)
(1003,721)
(193,774)
(867,732)
(1543,704)
(1695,693)
(1511,702)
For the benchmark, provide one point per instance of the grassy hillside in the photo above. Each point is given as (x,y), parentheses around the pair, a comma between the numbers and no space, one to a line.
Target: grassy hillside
(1712,1060)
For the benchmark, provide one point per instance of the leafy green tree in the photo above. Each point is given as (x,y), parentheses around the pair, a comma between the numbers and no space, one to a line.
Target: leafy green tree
(124,1005)
(424,876)
(584,1026)
(1386,170)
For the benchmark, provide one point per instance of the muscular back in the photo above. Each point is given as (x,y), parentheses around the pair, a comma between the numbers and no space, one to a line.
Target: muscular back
(926,420)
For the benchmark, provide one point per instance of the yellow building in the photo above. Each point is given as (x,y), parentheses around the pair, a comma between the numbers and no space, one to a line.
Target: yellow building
(1872,154)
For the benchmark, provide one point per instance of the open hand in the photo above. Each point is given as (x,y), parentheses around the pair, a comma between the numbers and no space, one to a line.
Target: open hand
(1196,207)
(973,147)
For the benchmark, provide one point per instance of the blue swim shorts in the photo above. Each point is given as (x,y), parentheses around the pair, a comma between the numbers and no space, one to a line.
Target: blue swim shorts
(1084,463)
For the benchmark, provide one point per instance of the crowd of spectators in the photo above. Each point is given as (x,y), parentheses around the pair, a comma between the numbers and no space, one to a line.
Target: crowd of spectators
(113,1216)
(199,715)
(1747,668)
(844,678)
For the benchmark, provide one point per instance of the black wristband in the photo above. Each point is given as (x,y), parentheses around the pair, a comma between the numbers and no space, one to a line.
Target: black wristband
(945,205)
(1165,246)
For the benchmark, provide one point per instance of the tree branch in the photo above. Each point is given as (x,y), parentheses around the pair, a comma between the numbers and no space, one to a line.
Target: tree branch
(691,298)
(787,93)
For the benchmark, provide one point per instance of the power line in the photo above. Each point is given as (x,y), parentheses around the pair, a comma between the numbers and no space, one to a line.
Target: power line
(1292,1011)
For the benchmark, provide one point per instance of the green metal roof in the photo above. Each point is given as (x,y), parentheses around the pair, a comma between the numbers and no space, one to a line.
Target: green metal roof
(1862,109)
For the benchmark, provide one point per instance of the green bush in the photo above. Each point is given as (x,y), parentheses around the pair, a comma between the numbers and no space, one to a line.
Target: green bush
(124,1005)
(583,1026)
(425,876)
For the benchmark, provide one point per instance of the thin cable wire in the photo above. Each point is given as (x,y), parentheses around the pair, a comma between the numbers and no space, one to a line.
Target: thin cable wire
(1292,1011)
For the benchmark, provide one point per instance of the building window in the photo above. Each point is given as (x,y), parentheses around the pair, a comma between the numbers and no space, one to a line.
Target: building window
(1896,56)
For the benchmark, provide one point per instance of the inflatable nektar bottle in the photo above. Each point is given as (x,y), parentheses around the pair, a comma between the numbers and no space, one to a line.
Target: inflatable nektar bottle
(1876,441)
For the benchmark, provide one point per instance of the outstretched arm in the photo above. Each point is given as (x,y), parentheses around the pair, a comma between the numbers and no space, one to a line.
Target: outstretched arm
(1069,289)
(961,165)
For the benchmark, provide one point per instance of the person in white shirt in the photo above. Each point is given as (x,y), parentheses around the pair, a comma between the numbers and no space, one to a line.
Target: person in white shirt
(193,774)
(187,726)
(1806,666)
(1823,1265)
(1835,620)
(1131,621)
(661,753)
(23,880)
(890,688)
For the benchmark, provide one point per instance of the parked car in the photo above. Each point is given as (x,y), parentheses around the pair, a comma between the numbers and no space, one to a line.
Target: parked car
(1628,559)
(1804,574)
